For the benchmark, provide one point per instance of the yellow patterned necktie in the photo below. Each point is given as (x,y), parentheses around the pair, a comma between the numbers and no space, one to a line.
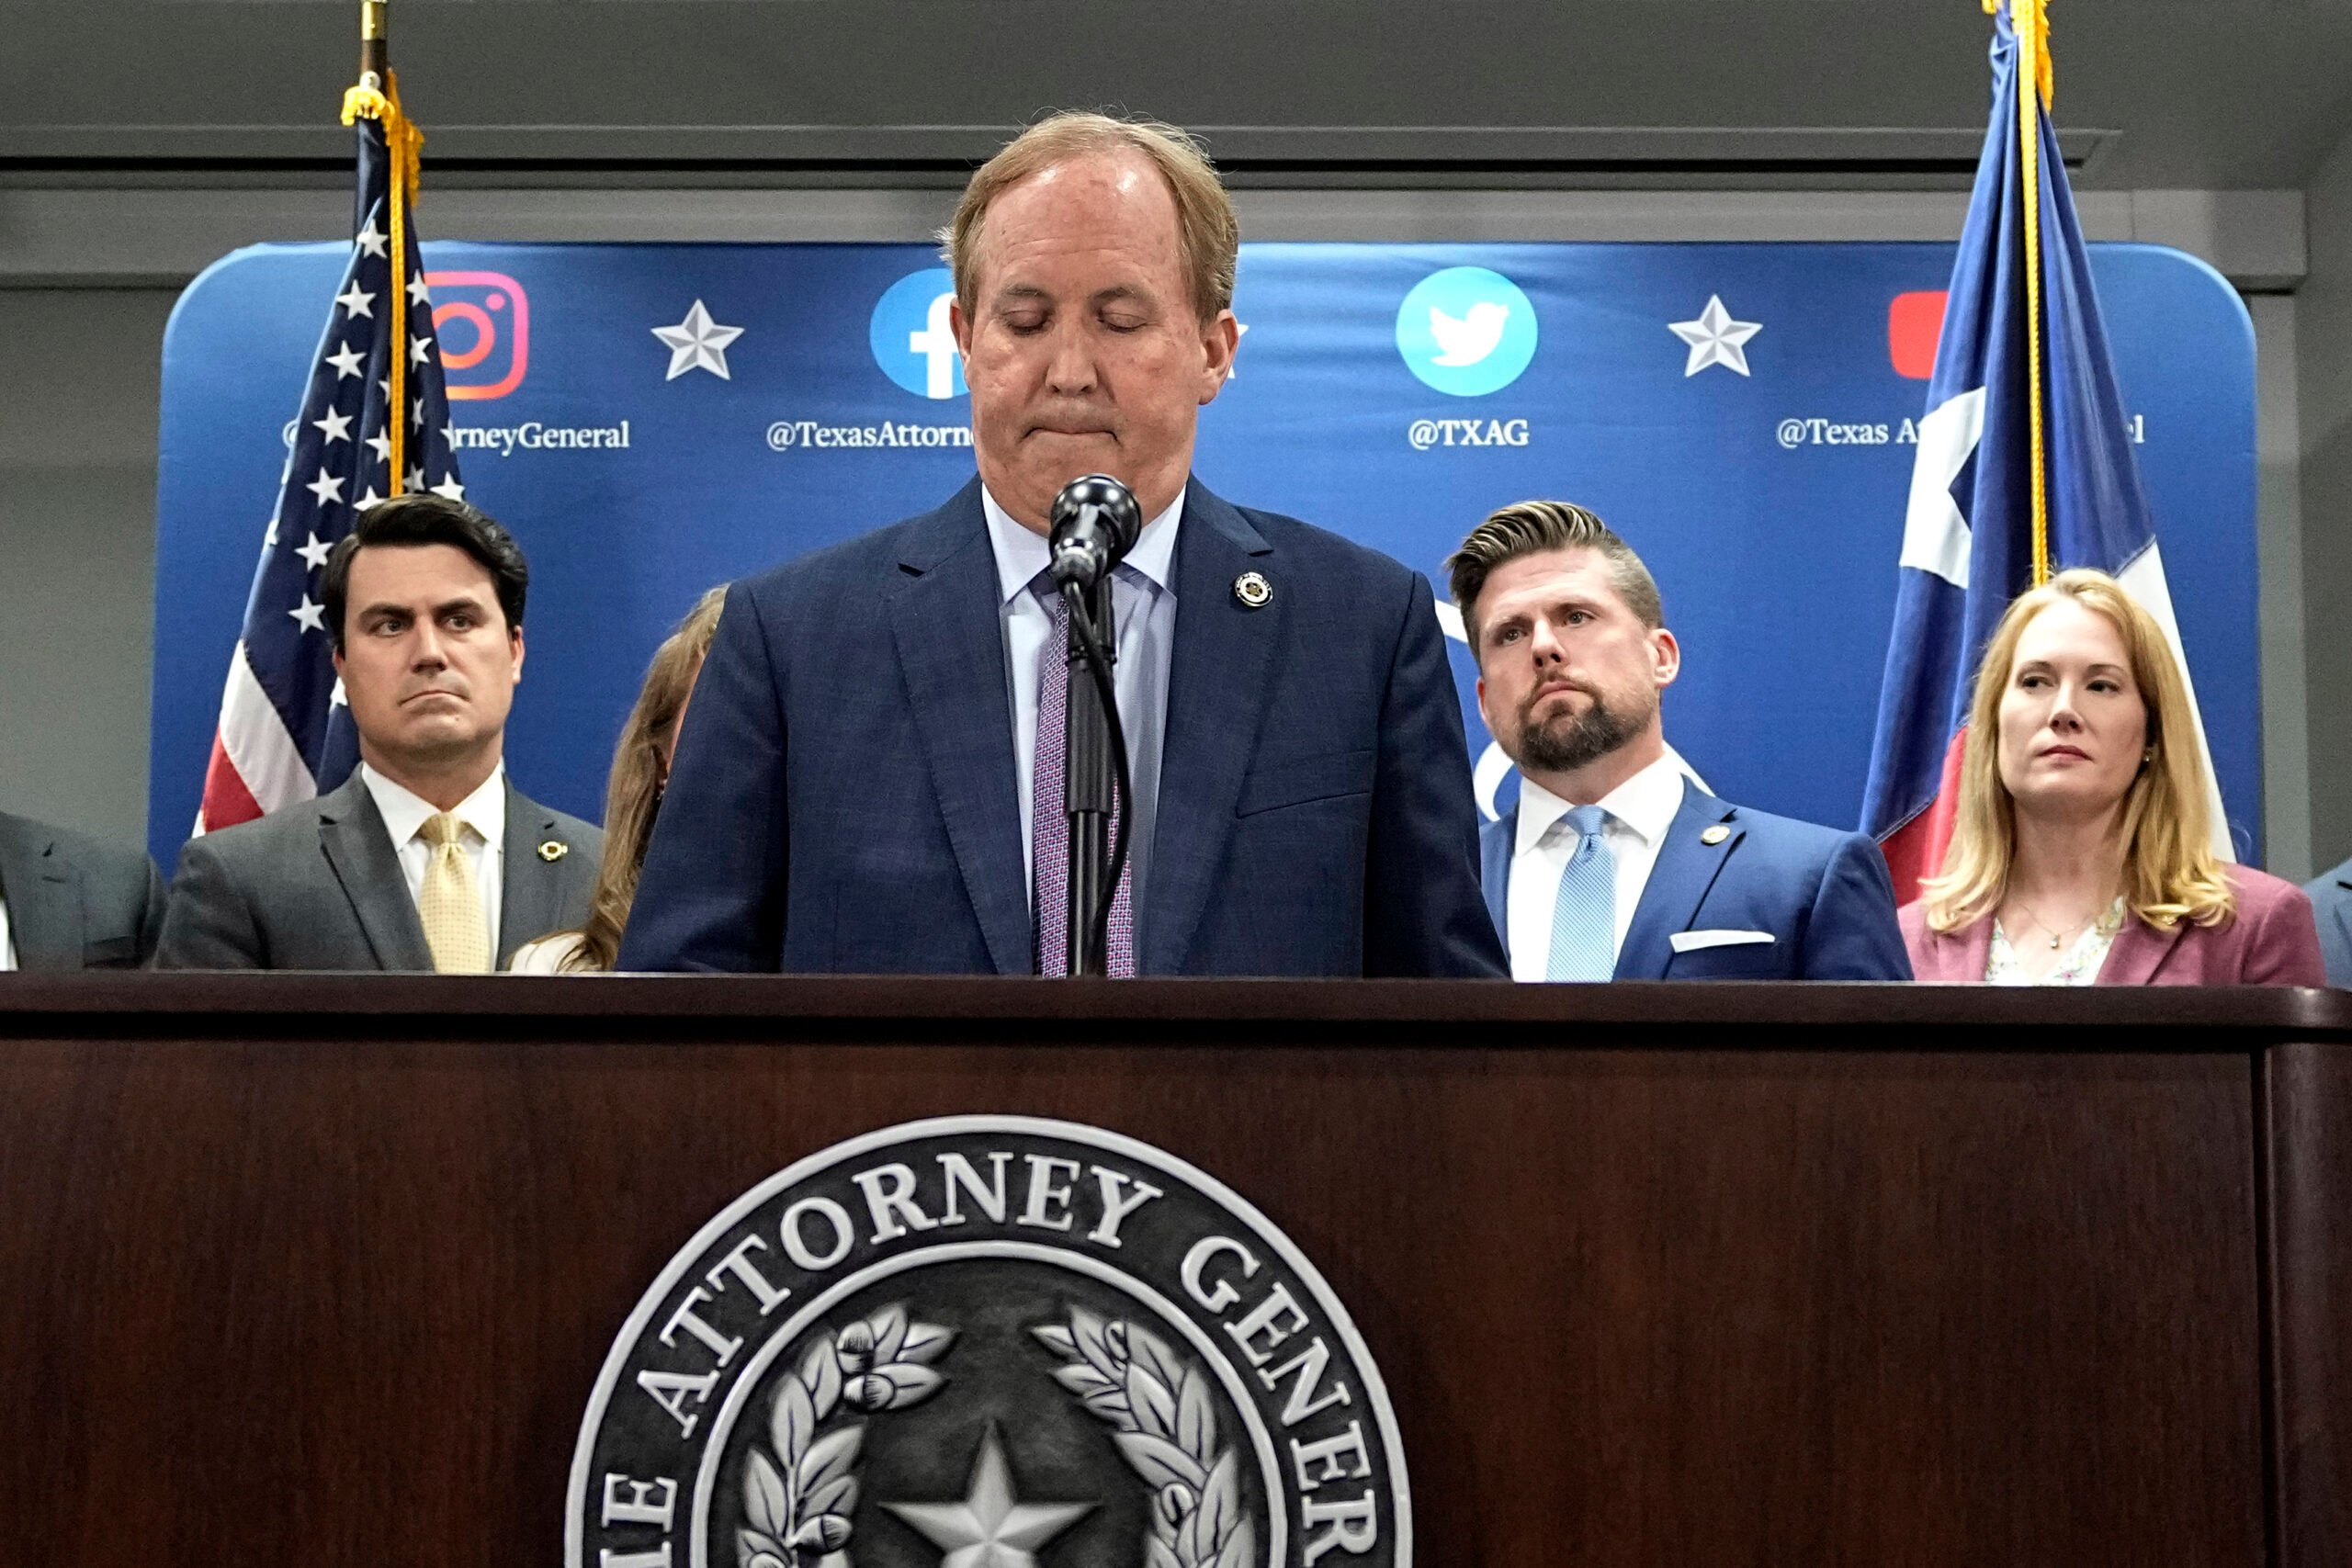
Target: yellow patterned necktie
(449,904)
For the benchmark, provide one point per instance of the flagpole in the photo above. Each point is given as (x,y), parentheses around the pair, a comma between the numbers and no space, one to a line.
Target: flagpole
(2029,20)
(376,98)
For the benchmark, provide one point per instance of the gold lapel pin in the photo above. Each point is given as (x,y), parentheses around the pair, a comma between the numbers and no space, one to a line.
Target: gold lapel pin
(1714,835)
(553,850)
(1252,589)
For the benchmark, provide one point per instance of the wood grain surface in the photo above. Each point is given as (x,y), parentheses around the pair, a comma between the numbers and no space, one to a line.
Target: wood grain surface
(320,1272)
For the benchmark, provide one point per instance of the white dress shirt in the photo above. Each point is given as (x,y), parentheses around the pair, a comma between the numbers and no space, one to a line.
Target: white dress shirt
(7,941)
(1143,604)
(1640,811)
(483,816)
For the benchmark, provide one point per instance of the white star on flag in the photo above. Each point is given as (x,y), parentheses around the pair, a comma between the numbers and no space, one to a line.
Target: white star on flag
(314,554)
(371,239)
(988,1529)
(697,343)
(451,488)
(356,301)
(413,480)
(309,616)
(334,426)
(327,487)
(1715,339)
(335,699)
(365,502)
(269,540)
(418,292)
(418,347)
(347,363)
(381,445)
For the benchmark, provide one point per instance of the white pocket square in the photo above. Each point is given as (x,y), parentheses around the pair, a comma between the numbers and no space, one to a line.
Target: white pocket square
(1693,942)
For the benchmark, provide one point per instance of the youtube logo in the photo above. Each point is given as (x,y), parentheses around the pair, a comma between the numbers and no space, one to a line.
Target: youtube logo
(1914,322)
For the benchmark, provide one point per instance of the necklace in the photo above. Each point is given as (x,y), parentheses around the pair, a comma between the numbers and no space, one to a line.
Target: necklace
(2057,937)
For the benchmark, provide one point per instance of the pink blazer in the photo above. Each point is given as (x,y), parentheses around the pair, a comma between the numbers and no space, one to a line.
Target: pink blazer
(2272,940)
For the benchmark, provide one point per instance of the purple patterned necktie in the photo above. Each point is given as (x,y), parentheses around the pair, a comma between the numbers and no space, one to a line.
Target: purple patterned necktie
(1049,818)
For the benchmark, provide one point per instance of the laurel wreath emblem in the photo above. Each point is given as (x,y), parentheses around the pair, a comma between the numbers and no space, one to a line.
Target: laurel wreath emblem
(800,1500)
(1165,1426)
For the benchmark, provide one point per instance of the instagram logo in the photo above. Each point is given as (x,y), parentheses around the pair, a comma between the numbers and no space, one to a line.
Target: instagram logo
(482,323)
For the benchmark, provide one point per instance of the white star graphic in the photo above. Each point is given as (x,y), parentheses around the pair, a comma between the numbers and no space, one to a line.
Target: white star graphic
(381,445)
(357,303)
(418,348)
(1715,339)
(370,241)
(310,617)
(365,502)
(413,480)
(988,1529)
(314,554)
(697,343)
(337,426)
(327,487)
(417,292)
(450,488)
(347,363)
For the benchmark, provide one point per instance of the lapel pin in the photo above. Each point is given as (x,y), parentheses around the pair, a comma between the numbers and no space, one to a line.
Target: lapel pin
(1714,835)
(1252,589)
(553,850)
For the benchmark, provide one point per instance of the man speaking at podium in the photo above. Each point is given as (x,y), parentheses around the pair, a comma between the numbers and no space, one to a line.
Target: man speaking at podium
(870,776)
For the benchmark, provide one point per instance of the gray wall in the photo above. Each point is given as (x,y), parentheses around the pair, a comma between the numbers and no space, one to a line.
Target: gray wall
(79,371)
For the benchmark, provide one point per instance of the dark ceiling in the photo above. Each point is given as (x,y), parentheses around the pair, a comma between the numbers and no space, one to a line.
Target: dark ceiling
(2215,94)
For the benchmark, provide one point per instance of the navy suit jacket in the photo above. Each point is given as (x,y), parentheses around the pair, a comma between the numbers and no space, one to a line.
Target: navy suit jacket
(845,798)
(2332,905)
(1823,896)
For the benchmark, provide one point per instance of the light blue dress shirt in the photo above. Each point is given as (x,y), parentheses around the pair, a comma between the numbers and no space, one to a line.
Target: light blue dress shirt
(1143,603)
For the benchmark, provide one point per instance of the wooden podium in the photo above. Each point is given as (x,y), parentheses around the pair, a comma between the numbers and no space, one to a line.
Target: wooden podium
(319,1270)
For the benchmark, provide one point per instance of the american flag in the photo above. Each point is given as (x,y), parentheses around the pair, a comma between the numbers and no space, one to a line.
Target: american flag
(284,733)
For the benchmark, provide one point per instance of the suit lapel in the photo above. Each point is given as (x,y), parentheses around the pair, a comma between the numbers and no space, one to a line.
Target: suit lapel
(1217,694)
(1684,871)
(950,639)
(2139,951)
(531,892)
(359,847)
(44,899)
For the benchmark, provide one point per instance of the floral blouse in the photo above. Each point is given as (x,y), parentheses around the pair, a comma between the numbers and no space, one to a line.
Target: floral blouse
(2078,965)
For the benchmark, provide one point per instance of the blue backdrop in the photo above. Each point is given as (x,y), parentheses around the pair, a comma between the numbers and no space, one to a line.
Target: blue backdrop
(1394,393)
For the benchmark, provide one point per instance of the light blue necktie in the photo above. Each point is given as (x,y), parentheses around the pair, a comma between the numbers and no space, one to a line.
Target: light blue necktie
(1584,921)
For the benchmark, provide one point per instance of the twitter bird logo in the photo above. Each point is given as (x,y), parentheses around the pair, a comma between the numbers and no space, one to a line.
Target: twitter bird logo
(1466,330)
(1468,341)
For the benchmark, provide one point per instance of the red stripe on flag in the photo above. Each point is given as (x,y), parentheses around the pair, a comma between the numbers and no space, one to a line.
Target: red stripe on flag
(1915,852)
(227,801)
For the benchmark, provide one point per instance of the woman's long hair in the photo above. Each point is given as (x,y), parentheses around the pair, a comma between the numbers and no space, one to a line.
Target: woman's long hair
(2170,872)
(639,772)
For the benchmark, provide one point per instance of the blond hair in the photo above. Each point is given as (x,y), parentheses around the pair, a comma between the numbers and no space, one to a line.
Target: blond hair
(639,773)
(2170,872)
(1207,232)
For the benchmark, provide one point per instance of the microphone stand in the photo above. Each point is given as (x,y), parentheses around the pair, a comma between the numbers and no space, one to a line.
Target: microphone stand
(1094,775)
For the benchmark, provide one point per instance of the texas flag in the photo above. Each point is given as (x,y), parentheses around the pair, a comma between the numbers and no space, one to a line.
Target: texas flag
(1968,530)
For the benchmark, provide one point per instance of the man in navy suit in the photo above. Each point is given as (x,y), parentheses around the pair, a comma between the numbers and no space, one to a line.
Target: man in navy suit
(2331,903)
(1614,865)
(869,777)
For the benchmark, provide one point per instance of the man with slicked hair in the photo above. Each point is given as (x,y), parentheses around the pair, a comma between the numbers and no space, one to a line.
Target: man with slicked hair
(869,777)
(426,858)
(1615,865)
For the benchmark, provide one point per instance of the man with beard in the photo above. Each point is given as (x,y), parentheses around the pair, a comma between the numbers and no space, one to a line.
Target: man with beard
(1614,864)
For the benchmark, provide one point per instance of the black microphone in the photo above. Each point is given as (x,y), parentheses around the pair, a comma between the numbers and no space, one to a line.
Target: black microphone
(1094,523)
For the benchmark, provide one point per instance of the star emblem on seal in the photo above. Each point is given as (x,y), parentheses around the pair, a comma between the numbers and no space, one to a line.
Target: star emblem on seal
(991,1527)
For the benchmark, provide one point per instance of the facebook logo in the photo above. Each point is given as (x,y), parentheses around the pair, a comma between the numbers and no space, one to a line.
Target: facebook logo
(911,336)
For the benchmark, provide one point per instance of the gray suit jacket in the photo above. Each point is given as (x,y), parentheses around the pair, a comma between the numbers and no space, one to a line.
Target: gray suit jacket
(2331,907)
(318,886)
(75,902)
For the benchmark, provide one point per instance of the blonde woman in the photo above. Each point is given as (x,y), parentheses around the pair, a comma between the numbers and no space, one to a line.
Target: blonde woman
(2083,851)
(641,773)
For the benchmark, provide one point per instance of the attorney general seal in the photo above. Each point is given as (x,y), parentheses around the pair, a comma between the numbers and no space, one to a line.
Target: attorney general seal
(989,1342)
